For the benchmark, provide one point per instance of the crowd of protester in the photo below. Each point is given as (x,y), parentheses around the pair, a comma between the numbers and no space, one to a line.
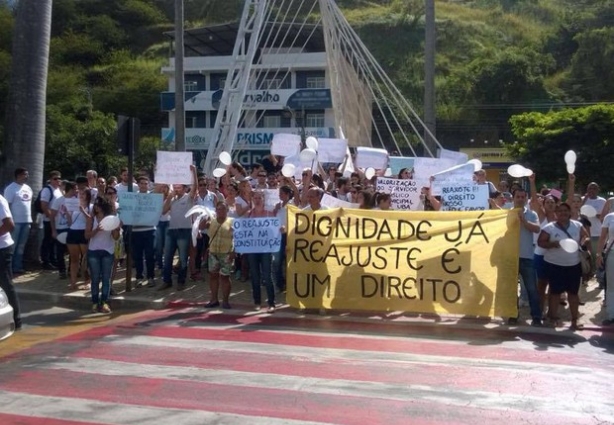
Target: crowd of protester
(549,274)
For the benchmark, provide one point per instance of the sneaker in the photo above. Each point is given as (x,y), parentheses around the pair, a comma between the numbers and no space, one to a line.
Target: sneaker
(212,304)
(536,322)
(151,283)
(271,309)
(512,321)
(257,307)
(95,308)
(226,305)
(105,308)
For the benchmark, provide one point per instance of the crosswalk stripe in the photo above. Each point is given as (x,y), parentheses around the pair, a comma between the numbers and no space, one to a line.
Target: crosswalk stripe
(93,411)
(373,390)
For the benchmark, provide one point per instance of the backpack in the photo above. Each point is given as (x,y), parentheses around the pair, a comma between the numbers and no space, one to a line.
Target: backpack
(37,202)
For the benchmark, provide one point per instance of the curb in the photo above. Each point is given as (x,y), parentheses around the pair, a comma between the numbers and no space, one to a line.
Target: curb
(79,300)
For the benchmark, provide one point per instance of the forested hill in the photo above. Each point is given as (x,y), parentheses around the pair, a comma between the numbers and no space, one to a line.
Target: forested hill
(495,58)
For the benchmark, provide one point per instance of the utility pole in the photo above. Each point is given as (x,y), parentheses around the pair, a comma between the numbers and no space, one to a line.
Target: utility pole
(429,79)
(179,79)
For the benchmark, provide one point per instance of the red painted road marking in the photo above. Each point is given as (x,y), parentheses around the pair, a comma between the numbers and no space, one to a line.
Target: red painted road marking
(32,420)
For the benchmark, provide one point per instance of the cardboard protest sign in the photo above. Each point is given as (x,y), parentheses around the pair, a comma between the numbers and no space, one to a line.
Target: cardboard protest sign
(397,163)
(140,209)
(404,193)
(459,174)
(286,144)
(371,157)
(468,197)
(173,167)
(331,150)
(426,167)
(458,157)
(332,202)
(256,235)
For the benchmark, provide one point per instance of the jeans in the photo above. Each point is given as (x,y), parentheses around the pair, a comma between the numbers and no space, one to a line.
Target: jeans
(143,246)
(176,240)
(20,238)
(260,271)
(6,282)
(161,230)
(48,245)
(529,278)
(100,263)
(279,264)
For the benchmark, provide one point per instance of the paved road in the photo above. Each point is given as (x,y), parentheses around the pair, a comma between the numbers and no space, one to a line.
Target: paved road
(190,366)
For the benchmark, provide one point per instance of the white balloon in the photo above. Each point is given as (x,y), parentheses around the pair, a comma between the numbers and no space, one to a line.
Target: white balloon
(307,155)
(589,211)
(312,143)
(219,172)
(570,157)
(477,164)
(516,170)
(288,170)
(528,172)
(110,222)
(62,237)
(369,173)
(571,168)
(569,245)
(225,158)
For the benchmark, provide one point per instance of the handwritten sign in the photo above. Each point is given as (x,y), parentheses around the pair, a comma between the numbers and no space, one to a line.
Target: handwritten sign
(140,209)
(459,174)
(332,150)
(173,167)
(471,197)
(286,144)
(404,193)
(256,235)
(332,202)
(371,157)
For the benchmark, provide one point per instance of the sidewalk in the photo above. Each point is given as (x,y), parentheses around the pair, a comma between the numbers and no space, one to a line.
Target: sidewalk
(46,285)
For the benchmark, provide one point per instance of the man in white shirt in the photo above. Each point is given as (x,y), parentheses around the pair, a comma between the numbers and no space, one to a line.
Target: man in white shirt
(19,196)
(314,198)
(6,259)
(593,199)
(49,192)
(123,185)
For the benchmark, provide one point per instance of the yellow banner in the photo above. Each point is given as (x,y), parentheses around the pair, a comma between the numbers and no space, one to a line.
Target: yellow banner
(429,262)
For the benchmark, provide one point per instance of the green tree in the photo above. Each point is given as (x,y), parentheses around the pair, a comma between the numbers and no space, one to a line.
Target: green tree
(543,139)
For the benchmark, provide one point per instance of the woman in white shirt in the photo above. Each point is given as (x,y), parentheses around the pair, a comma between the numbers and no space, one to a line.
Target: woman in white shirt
(563,268)
(75,239)
(100,254)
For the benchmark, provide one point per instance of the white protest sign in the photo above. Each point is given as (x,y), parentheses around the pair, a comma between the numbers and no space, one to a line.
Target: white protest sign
(458,157)
(286,144)
(140,209)
(424,168)
(459,174)
(271,199)
(173,167)
(332,150)
(371,157)
(404,193)
(71,204)
(397,163)
(256,235)
(332,202)
(470,197)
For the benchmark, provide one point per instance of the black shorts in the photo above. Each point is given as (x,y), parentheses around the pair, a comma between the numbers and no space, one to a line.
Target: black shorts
(564,278)
(76,237)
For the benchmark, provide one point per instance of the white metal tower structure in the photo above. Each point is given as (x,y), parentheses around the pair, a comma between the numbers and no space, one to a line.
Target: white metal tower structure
(237,81)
